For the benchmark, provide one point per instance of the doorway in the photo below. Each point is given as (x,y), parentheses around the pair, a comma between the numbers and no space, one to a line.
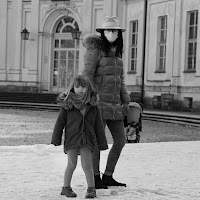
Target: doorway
(65,54)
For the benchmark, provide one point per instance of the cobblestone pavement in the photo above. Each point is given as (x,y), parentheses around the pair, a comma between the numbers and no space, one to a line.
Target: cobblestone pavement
(28,127)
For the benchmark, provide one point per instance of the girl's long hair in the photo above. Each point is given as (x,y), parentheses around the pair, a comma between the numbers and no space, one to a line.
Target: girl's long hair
(118,43)
(82,80)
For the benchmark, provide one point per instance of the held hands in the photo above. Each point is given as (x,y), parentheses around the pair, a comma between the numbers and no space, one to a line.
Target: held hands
(61,100)
(125,107)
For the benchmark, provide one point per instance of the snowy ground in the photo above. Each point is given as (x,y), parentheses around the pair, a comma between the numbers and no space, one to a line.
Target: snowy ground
(29,127)
(152,171)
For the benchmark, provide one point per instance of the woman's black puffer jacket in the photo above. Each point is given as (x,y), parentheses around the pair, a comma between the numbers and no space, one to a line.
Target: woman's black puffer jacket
(106,73)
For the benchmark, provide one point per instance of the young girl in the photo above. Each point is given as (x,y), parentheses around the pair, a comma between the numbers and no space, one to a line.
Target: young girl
(83,130)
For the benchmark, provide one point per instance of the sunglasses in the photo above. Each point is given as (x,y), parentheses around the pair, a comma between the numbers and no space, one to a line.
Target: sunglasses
(111,30)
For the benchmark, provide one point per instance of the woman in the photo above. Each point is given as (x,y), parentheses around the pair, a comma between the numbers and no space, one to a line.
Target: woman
(104,67)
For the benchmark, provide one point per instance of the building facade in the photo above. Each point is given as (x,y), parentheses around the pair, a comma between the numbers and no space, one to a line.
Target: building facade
(161,44)
(172,49)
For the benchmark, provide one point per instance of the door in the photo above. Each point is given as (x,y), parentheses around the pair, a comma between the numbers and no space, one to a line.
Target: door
(65,55)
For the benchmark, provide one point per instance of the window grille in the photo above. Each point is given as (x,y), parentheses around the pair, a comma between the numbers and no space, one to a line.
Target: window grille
(191,43)
(162,42)
(66,53)
(133,46)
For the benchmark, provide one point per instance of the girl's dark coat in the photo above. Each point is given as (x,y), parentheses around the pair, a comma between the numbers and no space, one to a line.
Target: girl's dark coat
(80,129)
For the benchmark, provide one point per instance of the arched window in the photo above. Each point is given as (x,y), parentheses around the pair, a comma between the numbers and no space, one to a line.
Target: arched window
(66,54)
(66,25)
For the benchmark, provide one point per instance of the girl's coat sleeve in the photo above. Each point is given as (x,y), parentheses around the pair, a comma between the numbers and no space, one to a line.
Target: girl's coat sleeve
(58,128)
(100,132)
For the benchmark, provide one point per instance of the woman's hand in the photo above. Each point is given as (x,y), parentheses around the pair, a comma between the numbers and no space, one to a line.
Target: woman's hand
(125,107)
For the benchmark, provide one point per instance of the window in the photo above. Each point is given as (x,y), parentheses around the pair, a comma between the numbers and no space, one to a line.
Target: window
(68,24)
(133,46)
(191,43)
(162,41)
(66,53)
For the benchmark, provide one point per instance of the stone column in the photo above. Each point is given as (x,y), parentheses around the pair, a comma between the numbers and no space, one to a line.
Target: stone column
(87,16)
(18,43)
(33,68)
(86,27)
(176,70)
(110,7)
(3,38)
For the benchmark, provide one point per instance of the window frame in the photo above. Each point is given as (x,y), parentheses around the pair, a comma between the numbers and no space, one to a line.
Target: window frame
(63,43)
(133,45)
(160,44)
(191,41)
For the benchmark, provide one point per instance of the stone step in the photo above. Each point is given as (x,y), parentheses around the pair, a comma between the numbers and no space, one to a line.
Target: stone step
(28,97)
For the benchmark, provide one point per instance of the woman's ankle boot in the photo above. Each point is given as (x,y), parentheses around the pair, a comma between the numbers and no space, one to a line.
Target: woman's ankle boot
(110,181)
(99,184)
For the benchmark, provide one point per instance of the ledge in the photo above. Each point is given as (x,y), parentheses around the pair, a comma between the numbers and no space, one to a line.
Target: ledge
(189,71)
(131,72)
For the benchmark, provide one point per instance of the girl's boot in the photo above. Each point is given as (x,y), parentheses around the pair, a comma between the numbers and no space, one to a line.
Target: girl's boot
(68,192)
(91,193)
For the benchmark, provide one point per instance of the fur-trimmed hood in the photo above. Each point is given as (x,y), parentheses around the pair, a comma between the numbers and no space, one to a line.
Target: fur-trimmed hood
(92,41)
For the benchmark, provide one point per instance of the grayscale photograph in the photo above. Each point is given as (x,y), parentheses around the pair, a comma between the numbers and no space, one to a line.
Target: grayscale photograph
(99,99)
